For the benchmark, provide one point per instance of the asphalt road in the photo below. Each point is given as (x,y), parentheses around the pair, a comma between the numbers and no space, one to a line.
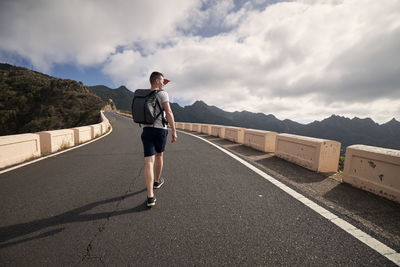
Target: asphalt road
(86,207)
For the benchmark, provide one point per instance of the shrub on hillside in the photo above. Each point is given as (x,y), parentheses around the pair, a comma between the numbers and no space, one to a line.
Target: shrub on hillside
(31,101)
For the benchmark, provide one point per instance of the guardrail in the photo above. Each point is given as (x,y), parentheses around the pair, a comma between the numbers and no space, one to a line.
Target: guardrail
(315,154)
(374,169)
(218,131)
(260,140)
(18,148)
(82,134)
(234,134)
(53,141)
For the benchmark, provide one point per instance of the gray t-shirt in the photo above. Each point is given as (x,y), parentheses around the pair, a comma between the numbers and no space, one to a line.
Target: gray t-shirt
(162,97)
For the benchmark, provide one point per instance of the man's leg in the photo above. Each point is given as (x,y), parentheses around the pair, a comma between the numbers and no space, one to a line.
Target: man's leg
(149,174)
(159,163)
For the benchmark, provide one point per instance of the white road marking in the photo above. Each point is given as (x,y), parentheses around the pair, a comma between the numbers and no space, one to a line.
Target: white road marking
(376,245)
(57,153)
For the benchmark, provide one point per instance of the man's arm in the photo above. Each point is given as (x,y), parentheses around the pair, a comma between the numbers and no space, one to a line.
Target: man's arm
(171,120)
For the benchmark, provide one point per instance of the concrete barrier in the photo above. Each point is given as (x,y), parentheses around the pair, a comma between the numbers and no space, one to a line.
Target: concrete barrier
(105,123)
(196,127)
(52,141)
(218,131)
(315,154)
(260,140)
(187,126)
(104,127)
(206,129)
(179,125)
(96,130)
(373,169)
(18,148)
(82,134)
(234,134)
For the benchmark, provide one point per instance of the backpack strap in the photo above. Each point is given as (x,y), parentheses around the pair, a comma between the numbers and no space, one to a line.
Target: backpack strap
(161,110)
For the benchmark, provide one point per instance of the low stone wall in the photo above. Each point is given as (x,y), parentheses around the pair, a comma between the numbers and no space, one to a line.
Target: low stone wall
(179,125)
(96,130)
(206,129)
(315,154)
(53,141)
(82,134)
(196,127)
(105,126)
(218,131)
(187,126)
(260,140)
(234,134)
(373,169)
(18,148)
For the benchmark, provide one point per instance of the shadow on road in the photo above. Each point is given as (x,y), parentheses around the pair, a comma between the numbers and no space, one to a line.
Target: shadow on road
(76,215)
(292,171)
(381,212)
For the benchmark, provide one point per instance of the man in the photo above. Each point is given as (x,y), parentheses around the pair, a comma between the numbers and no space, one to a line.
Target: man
(154,138)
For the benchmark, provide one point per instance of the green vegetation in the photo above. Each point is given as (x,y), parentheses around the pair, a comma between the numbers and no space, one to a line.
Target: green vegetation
(44,154)
(64,145)
(31,102)
(31,158)
(341,164)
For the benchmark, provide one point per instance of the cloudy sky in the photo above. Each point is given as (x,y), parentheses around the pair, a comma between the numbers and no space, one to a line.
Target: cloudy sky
(302,60)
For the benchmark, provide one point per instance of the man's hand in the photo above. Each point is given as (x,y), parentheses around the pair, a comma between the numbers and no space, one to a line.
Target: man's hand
(174,137)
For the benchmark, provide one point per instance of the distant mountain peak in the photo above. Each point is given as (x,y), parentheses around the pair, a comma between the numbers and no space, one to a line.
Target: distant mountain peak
(365,120)
(122,87)
(333,118)
(338,117)
(392,122)
(199,103)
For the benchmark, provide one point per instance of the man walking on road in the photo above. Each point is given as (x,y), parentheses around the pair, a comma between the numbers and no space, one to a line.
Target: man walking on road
(154,138)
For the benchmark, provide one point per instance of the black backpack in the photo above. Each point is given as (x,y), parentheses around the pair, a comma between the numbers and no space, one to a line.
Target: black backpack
(144,107)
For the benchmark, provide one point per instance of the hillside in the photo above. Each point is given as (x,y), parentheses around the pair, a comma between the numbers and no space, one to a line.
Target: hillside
(345,130)
(31,101)
(122,97)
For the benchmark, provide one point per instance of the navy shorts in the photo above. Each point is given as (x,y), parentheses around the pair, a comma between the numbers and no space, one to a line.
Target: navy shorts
(154,140)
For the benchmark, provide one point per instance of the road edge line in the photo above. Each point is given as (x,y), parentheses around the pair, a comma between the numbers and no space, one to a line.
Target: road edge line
(365,238)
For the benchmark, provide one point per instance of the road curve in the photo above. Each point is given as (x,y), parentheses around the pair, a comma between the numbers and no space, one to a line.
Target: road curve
(86,207)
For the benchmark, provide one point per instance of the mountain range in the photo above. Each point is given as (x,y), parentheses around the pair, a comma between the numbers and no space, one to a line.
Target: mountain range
(346,131)
(121,96)
(31,101)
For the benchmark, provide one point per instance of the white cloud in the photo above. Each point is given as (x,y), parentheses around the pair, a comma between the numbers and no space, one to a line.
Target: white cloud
(84,32)
(301,60)
(295,60)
